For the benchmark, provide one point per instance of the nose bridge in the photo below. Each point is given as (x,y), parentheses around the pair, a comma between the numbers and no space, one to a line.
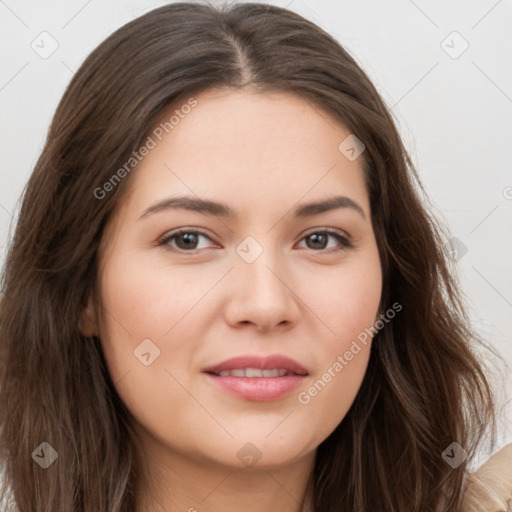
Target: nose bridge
(259,265)
(260,293)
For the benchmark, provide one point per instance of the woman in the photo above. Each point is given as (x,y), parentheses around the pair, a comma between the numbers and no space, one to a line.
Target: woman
(313,355)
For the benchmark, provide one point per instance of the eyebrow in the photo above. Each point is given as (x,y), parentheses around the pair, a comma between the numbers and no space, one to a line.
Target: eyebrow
(219,209)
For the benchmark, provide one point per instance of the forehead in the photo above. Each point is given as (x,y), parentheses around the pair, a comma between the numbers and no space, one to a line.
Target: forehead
(252,148)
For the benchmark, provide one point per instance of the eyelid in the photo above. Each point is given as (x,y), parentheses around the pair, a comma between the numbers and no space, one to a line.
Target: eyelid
(331,231)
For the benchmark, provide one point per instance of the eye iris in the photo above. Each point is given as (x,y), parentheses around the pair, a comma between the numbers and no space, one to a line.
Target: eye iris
(315,237)
(190,237)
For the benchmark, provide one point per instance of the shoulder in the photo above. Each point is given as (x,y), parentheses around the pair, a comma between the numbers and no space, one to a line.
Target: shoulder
(489,488)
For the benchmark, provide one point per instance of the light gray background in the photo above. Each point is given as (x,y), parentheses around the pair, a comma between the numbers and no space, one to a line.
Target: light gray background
(454,112)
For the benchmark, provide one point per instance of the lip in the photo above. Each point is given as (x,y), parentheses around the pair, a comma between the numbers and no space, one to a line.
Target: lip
(258,388)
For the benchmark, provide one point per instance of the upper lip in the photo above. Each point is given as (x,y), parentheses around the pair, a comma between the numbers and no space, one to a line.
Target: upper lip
(270,362)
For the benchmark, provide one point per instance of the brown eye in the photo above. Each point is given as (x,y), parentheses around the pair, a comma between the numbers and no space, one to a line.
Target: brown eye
(187,240)
(319,240)
(183,240)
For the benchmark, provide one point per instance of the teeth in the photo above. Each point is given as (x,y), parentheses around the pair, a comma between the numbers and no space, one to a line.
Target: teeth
(253,372)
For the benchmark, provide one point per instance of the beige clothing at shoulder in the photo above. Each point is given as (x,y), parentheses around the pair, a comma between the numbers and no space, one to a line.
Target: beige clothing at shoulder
(489,488)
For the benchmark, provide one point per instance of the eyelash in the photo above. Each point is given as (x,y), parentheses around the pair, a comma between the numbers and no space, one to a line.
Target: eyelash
(345,241)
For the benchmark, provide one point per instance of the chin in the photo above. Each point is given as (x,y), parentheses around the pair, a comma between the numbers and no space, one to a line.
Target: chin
(260,452)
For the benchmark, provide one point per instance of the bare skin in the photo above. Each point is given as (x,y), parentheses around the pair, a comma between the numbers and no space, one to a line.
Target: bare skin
(200,302)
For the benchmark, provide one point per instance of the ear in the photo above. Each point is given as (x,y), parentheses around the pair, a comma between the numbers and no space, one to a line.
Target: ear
(88,323)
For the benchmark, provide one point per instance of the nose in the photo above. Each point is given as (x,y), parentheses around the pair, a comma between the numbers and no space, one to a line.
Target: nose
(262,295)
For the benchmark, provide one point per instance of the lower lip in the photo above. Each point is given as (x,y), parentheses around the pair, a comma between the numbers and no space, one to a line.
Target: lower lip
(261,389)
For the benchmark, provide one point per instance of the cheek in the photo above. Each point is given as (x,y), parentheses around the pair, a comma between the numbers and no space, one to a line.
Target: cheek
(329,396)
(347,305)
(144,309)
(146,340)
(342,361)
(143,300)
(345,299)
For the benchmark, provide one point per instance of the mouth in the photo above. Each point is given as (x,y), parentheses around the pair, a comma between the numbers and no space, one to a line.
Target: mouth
(257,378)
(254,373)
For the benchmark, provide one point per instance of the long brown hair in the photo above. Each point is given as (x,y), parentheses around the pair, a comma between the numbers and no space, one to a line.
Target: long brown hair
(424,388)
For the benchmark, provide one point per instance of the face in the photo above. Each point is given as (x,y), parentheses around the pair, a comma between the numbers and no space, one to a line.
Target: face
(185,289)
